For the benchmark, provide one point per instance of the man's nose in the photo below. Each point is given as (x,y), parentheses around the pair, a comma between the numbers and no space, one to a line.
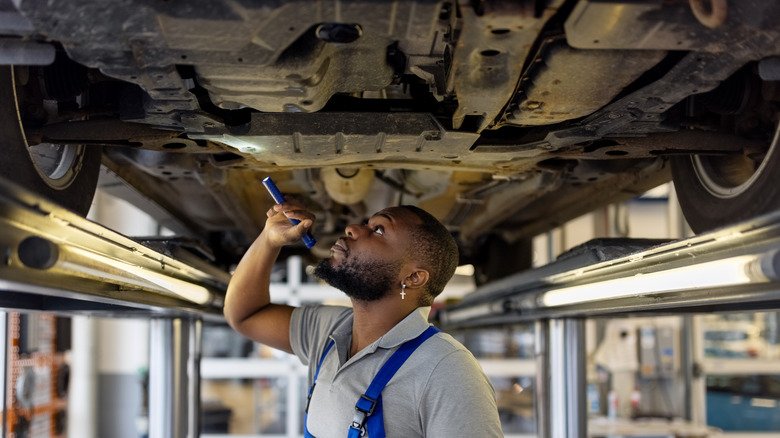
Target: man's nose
(353,231)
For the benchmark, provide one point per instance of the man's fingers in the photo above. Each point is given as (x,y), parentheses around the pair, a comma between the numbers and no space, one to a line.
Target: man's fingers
(299,215)
(295,233)
(293,211)
(280,214)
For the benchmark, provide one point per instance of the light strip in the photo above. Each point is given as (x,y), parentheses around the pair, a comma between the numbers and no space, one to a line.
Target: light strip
(720,273)
(174,286)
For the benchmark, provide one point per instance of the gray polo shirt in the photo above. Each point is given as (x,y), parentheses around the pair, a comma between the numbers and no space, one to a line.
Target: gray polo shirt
(440,391)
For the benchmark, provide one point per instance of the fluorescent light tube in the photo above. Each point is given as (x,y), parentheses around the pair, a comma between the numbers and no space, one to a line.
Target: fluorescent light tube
(732,271)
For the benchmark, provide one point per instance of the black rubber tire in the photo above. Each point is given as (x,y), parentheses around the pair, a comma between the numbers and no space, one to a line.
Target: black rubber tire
(498,258)
(16,165)
(711,197)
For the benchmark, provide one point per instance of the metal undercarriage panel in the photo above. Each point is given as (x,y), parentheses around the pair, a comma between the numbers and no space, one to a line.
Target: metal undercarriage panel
(501,117)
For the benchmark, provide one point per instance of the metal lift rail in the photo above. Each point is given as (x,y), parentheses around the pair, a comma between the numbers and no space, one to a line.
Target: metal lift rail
(732,269)
(54,260)
(735,268)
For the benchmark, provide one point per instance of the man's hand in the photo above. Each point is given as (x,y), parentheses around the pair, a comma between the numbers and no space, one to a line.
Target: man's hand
(279,231)
(248,308)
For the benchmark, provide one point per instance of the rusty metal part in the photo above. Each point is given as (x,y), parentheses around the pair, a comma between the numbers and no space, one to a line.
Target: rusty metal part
(662,144)
(303,80)
(655,25)
(378,140)
(490,56)
(268,56)
(645,110)
(711,13)
(116,133)
(563,83)
(417,141)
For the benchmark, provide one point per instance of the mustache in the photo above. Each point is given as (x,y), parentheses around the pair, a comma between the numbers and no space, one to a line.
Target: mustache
(342,243)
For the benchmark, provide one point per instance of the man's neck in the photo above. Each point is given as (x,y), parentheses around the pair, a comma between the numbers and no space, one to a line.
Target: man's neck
(373,319)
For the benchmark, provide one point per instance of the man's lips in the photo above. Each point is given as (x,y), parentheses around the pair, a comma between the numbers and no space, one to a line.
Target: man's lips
(340,245)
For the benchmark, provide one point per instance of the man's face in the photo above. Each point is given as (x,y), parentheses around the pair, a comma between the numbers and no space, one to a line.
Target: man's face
(366,263)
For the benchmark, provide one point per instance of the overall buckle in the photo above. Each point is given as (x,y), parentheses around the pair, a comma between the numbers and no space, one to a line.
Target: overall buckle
(363,409)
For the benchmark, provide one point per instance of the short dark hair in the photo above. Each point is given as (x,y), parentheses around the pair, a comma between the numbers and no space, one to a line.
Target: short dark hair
(434,247)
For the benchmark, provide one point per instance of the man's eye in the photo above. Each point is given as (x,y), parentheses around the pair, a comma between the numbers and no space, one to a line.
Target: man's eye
(379,230)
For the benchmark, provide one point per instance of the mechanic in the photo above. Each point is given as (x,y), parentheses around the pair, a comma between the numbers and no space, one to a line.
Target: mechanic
(391,268)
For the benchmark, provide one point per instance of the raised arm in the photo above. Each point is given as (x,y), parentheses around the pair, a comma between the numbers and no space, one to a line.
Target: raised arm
(248,308)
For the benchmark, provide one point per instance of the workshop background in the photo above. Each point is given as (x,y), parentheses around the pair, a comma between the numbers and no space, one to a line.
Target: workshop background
(88,377)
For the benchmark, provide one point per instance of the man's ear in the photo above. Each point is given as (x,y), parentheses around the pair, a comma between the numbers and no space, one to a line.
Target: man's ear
(417,279)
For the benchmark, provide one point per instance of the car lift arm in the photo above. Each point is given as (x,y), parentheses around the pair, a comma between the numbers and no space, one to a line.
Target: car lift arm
(54,260)
(735,269)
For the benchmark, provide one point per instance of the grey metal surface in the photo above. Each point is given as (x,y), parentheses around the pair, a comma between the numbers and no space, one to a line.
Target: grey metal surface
(688,365)
(174,378)
(114,420)
(55,260)
(567,378)
(526,296)
(161,378)
(542,393)
(195,347)
(164,402)
(25,52)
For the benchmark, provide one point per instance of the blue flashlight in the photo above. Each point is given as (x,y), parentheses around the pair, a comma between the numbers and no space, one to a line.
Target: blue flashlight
(308,240)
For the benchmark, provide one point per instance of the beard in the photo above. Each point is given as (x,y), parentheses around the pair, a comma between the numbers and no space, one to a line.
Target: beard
(368,280)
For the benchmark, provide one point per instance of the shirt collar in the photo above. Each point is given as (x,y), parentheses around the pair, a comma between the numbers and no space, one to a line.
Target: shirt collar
(409,328)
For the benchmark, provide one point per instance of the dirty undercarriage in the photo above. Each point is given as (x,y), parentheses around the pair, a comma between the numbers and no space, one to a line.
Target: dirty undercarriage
(502,118)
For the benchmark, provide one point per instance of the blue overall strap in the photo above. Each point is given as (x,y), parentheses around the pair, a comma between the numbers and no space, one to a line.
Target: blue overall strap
(306,433)
(368,409)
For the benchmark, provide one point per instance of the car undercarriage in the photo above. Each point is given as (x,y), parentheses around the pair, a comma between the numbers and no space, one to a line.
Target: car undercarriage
(504,119)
